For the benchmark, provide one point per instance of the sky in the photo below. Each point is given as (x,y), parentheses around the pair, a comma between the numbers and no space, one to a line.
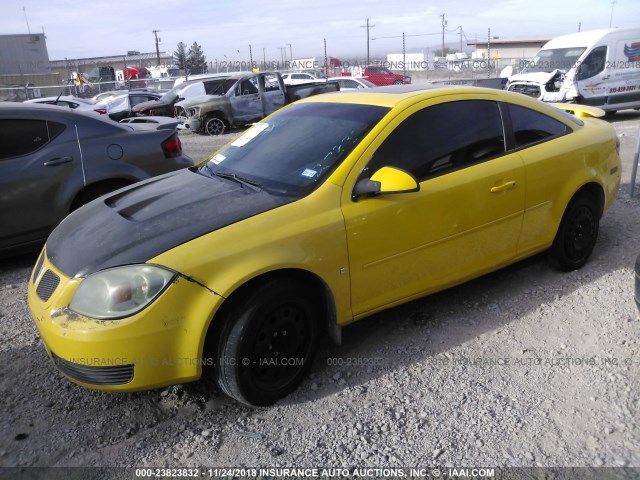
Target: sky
(225,29)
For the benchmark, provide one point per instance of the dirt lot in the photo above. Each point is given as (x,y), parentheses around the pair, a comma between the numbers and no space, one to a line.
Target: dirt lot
(523,367)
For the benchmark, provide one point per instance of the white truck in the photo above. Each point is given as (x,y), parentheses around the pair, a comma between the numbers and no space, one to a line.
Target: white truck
(598,67)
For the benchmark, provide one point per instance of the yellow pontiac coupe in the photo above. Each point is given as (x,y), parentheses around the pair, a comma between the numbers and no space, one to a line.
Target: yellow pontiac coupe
(329,210)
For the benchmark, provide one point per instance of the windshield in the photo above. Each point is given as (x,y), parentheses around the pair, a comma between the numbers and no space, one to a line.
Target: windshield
(296,148)
(554,59)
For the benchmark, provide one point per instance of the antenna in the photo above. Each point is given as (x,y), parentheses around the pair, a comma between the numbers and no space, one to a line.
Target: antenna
(26,20)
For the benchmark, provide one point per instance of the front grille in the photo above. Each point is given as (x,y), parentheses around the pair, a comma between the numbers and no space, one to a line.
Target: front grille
(525,89)
(109,375)
(47,285)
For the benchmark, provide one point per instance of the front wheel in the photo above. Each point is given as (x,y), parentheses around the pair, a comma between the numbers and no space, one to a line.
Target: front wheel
(398,82)
(214,126)
(269,342)
(577,234)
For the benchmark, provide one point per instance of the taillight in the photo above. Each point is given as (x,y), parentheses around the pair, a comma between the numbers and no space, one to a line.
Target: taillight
(101,111)
(172,147)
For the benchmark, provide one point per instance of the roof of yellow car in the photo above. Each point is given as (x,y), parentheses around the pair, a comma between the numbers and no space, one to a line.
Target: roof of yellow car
(394,94)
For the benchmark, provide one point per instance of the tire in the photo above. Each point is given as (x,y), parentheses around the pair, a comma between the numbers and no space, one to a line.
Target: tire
(576,235)
(277,322)
(214,126)
(398,82)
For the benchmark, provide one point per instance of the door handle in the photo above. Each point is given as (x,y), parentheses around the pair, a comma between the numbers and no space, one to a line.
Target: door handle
(58,161)
(605,78)
(503,187)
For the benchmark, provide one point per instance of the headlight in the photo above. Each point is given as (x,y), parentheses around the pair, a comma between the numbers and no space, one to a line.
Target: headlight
(120,291)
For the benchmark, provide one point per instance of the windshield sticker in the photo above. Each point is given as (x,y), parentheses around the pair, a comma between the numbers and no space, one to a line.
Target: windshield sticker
(216,159)
(250,134)
(309,173)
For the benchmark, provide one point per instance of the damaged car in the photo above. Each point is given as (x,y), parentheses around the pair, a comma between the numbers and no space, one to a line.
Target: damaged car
(242,99)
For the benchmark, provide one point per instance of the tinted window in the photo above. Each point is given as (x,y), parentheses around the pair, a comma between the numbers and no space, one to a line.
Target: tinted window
(442,138)
(531,127)
(21,137)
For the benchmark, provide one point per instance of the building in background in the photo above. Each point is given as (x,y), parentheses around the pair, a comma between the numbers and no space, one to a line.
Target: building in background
(22,54)
(518,48)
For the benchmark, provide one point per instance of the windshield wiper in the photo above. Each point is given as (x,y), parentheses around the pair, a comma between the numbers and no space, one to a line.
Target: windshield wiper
(255,186)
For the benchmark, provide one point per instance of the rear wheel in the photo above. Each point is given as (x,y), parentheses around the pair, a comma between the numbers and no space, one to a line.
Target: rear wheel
(398,82)
(269,342)
(577,234)
(214,126)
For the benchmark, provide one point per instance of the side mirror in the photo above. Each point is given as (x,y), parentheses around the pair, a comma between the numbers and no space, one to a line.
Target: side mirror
(386,181)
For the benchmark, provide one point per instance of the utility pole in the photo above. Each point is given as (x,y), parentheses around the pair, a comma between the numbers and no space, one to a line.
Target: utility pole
(444,24)
(250,58)
(367,26)
(611,17)
(290,52)
(155,32)
(460,38)
(24,10)
(264,58)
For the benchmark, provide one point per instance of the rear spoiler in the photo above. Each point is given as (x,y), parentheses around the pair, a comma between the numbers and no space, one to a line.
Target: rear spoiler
(580,111)
(151,123)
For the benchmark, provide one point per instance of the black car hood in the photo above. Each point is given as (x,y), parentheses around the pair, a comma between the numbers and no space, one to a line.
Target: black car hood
(139,222)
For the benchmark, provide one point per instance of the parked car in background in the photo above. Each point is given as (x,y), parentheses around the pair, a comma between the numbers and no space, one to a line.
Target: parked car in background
(352,83)
(597,67)
(121,106)
(298,78)
(331,209)
(74,103)
(164,106)
(383,76)
(243,98)
(55,160)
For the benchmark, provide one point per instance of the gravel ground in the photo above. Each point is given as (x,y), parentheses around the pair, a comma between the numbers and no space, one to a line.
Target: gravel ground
(523,367)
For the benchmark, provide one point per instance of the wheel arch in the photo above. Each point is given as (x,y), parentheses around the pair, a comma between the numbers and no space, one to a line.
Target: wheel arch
(216,114)
(104,186)
(311,280)
(593,189)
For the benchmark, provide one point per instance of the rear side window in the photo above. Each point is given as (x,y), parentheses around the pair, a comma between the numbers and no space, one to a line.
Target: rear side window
(21,137)
(530,126)
(442,138)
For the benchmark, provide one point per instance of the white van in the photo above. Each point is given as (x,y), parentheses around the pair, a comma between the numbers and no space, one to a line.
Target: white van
(598,67)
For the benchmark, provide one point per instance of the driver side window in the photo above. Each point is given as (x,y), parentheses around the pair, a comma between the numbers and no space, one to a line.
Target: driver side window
(593,64)
(441,139)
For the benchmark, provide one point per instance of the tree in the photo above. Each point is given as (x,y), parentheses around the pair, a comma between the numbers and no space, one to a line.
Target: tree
(196,61)
(180,56)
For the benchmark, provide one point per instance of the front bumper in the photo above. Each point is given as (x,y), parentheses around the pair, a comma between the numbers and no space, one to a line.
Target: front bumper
(160,345)
(190,124)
